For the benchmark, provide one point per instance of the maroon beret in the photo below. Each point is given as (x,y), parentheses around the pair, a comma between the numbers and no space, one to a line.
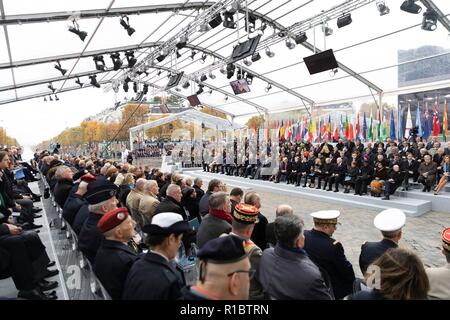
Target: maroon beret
(112,219)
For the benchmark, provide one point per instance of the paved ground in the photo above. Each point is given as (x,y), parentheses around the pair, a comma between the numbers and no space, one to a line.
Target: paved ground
(422,234)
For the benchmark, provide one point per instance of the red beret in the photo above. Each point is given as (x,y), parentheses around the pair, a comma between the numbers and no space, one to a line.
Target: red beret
(88,178)
(446,239)
(112,219)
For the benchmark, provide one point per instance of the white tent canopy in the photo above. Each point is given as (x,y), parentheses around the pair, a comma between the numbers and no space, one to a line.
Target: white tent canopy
(193,116)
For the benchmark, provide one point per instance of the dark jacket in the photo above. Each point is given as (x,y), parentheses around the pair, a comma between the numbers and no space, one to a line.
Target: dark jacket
(90,237)
(366,295)
(328,254)
(191,205)
(112,264)
(199,192)
(211,228)
(300,279)
(152,278)
(413,166)
(370,251)
(80,217)
(169,204)
(259,232)
(71,207)
(61,191)
(380,174)
(270,234)
(203,206)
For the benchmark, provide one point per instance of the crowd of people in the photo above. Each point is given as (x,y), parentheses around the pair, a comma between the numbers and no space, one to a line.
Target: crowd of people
(131,222)
(353,166)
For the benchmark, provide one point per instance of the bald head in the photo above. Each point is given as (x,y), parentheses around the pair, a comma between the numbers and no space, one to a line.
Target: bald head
(284,210)
(140,183)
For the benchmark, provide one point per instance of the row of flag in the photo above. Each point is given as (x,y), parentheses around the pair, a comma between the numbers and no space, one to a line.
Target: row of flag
(322,128)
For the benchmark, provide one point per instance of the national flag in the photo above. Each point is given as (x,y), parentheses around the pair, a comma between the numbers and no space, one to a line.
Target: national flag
(427,129)
(329,128)
(358,127)
(379,125)
(392,128)
(445,122)
(408,126)
(418,122)
(351,134)
(346,130)
(436,125)
(400,124)
(371,127)
(364,129)
(336,132)
(281,131)
(310,130)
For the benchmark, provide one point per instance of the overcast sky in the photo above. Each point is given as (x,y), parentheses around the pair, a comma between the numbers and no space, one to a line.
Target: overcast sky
(32,121)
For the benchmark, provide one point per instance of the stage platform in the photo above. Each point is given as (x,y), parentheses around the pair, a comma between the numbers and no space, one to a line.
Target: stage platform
(413,202)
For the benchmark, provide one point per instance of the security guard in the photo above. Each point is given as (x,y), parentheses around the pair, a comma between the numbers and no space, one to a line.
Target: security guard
(153,277)
(328,254)
(114,257)
(390,222)
(440,277)
(101,196)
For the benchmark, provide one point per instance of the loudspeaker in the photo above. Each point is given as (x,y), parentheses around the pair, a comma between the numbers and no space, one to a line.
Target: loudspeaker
(320,62)
(216,21)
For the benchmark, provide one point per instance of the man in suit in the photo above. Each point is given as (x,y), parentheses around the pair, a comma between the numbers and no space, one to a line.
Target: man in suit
(410,168)
(114,257)
(64,176)
(236,195)
(440,277)
(328,254)
(198,183)
(390,222)
(259,232)
(282,210)
(172,202)
(153,277)
(149,202)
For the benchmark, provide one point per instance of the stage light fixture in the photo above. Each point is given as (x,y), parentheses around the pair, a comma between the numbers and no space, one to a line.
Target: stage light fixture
(94,81)
(333,72)
(45,99)
(56,98)
(50,98)
(222,70)
(135,87)
(127,79)
(344,20)
(290,44)
(230,70)
(158,73)
(382,7)
(99,63)
(126,25)
(248,63)
(59,68)
(182,42)
(203,78)
(249,78)
(326,30)
(210,92)
(76,29)
(117,62)
(270,53)
(300,38)
(162,55)
(256,56)
(225,98)
(268,87)
(429,22)
(125,86)
(178,54)
(205,27)
(216,21)
(79,82)
(193,53)
(251,23)
(177,89)
(200,90)
(50,86)
(410,6)
(130,58)
(186,85)
(229,20)
(203,58)
(211,75)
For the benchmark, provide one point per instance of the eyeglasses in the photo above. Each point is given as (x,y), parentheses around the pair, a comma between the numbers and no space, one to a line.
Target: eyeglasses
(251,273)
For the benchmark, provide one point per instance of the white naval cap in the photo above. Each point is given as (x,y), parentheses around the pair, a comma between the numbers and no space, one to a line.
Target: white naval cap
(326,216)
(390,220)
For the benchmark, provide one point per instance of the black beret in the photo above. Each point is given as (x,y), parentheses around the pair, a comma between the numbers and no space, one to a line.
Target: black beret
(225,249)
(100,190)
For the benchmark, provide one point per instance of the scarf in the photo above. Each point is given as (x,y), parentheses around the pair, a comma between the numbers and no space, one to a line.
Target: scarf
(220,214)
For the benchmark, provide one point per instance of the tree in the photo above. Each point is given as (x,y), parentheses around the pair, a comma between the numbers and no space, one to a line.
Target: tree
(254,122)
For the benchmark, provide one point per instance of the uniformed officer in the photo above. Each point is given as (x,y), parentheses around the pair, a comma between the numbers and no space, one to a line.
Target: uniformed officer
(390,222)
(114,257)
(225,271)
(154,277)
(440,277)
(101,196)
(244,218)
(328,254)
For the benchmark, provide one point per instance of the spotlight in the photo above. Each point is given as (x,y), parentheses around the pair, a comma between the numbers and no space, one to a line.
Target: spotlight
(94,81)
(204,27)
(59,68)
(248,63)
(270,53)
(269,86)
(130,58)
(410,6)
(429,22)
(200,90)
(345,20)
(125,86)
(300,38)
(225,98)
(158,73)
(382,7)
(115,86)
(99,63)
(178,54)
(182,42)
(230,70)
(127,79)
(163,54)
(222,70)
(193,53)
(251,23)
(203,58)
(186,85)
(327,30)
(333,72)
(50,86)
(79,82)
(210,92)
(290,44)
(216,21)
(56,98)
(249,78)
(76,29)
(229,20)
(211,75)
(203,78)
(50,98)
(256,56)
(126,25)
(135,87)
(177,89)
(45,99)
(239,74)
(117,62)
(261,29)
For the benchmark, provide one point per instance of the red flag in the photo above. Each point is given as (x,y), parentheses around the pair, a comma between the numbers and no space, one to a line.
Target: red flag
(436,125)
(351,134)
(358,127)
(336,133)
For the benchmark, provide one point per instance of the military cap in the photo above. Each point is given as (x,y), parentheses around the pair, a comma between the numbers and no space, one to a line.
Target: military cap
(446,239)
(100,190)
(112,219)
(166,223)
(326,216)
(88,178)
(245,213)
(222,250)
(390,220)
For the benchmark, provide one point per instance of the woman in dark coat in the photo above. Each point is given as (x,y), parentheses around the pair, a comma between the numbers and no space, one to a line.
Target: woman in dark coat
(189,202)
